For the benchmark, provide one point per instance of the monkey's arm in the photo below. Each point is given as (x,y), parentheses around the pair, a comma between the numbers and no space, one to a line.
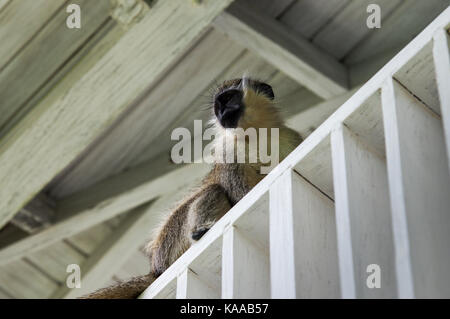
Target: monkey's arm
(211,204)
(187,223)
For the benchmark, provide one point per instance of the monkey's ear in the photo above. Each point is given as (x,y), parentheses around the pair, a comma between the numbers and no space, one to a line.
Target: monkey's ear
(266,89)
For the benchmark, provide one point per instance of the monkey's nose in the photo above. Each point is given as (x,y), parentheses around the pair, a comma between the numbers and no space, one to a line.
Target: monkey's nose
(228,107)
(229,99)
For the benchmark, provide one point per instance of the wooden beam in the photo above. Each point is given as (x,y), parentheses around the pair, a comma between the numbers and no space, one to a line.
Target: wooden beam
(128,12)
(36,215)
(44,58)
(295,56)
(60,128)
(14,15)
(4,3)
(116,249)
(81,211)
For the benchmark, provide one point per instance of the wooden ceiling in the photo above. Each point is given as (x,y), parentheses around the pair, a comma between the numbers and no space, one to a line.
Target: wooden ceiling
(86,115)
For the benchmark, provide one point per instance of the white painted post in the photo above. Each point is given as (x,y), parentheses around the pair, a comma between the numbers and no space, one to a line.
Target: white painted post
(190,286)
(363,217)
(442,68)
(419,185)
(303,252)
(245,267)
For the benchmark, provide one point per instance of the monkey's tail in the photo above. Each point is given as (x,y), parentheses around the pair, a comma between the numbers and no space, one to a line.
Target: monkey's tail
(129,289)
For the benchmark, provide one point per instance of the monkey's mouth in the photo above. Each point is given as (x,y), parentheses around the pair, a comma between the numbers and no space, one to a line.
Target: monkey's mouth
(228,107)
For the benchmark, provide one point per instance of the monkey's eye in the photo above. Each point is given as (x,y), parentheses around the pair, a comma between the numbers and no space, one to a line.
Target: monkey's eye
(266,89)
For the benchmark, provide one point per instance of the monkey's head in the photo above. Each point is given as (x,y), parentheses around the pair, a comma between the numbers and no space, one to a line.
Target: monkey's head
(245,103)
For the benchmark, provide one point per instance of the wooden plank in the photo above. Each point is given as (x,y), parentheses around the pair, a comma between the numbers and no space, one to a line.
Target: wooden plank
(255,223)
(153,43)
(127,12)
(295,56)
(87,240)
(245,267)
(303,261)
(80,213)
(53,260)
(36,215)
(4,294)
(3,4)
(190,286)
(419,183)
(441,55)
(68,72)
(419,77)
(44,55)
(316,167)
(307,17)
(10,233)
(367,123)
(409,19)
(348,26)
(283,86)
(363,217)
(23,281)
(270,7)
(115,251)
(15,15)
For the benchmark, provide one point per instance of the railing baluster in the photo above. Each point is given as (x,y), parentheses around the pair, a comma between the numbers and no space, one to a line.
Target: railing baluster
(441,53)
(363,218)
(419,185)
(303,252)
(245,267)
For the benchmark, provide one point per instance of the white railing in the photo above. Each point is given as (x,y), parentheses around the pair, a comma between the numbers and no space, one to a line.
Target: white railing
(369,188)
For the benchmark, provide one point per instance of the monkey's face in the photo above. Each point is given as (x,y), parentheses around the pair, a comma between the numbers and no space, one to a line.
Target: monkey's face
(245,103)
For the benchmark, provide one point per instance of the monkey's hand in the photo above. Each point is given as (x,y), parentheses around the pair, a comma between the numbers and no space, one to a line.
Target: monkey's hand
(210,205)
